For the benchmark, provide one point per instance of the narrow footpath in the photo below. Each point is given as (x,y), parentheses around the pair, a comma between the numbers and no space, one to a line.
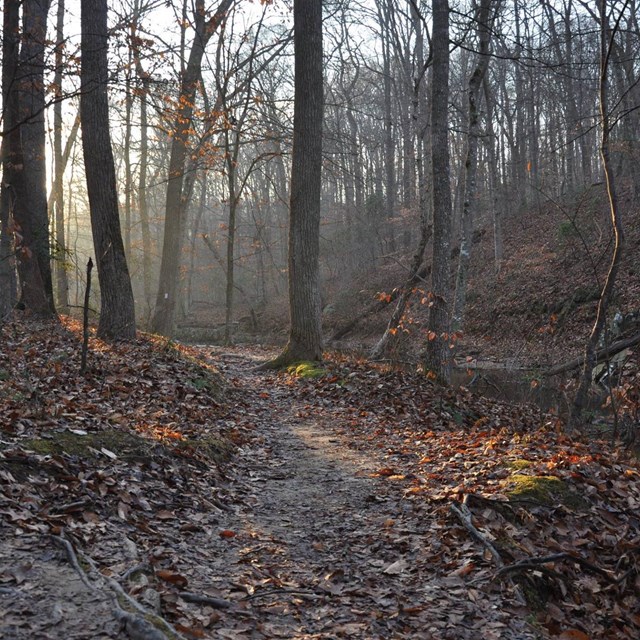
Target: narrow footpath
(324,546)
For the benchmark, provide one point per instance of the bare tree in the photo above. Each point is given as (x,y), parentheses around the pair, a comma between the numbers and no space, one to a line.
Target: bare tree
(175,211)
(25,158)
(305,332)
(607,37)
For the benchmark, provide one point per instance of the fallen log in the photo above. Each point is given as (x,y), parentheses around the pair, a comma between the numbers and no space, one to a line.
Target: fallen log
(601,355)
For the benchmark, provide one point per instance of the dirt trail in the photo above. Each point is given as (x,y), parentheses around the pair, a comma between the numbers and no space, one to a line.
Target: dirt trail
(325,549)
(309,544)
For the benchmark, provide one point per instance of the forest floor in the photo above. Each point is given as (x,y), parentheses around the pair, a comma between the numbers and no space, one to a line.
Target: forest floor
(176,492)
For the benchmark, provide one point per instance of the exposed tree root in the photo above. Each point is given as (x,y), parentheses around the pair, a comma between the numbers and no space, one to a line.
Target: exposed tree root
(136,624)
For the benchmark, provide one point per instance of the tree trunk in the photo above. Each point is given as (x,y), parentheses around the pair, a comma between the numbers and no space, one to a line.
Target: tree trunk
(60,264)
(27,170)
(117,313)
(175,211)
(305,333)
(10,31)
(143,209)
(590,357)
(437,354)
(484,22)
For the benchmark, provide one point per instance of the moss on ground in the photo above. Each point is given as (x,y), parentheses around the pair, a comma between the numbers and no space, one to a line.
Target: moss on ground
(306,369)
(518,465)
(125,445)
(544,490)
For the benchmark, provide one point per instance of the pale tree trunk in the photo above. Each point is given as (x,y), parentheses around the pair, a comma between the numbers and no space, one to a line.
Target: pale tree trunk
(175,211)
(590,357)
(384,17)
(143,209)
(57,192)
(117,312)
(437,354)
(484,22)
(305,333)
(128,174)
(494,181)
(27,174)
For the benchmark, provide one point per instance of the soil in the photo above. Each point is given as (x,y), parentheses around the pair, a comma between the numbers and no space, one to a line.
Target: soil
(301,540)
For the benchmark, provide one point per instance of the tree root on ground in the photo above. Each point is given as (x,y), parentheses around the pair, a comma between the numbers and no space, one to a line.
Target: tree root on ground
(137,623)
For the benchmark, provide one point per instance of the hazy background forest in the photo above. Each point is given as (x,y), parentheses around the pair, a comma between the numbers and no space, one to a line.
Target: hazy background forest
(536,129)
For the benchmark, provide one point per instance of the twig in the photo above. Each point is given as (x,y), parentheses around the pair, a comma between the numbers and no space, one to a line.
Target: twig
(85,323)
(531,563)
(464,515)
(273,592)
(196,598)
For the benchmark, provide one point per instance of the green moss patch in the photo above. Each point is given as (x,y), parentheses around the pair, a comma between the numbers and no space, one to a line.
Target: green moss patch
(123,444)
(214,448)
(518,465)
(306,370)
(544,490)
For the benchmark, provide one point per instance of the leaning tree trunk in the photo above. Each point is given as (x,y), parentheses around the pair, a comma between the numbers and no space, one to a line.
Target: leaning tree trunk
(437,354)
(117,313)
(590,357)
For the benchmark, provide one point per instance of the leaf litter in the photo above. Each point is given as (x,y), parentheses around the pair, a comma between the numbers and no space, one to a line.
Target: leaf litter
(239,504)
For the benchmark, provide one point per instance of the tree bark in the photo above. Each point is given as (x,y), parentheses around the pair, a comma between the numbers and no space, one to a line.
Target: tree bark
(10,49)
(484,22)
(305,333)
(57,191)
(437,356)
(27,166)
(590,356)
(117,313)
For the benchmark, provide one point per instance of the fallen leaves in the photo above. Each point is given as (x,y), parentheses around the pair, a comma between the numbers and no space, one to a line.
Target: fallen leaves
(364,546)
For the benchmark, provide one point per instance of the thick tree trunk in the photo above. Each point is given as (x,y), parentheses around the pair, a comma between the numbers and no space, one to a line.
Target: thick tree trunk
(117,313)
(27,169)
(10,31)
(437,357)
(305,333)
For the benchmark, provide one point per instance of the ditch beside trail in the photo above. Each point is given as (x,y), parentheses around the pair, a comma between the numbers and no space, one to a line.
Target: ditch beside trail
(308,533)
